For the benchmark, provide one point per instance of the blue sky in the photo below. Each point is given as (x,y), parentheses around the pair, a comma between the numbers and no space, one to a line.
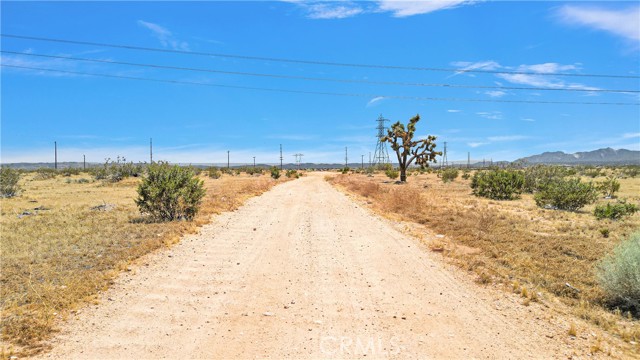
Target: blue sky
(106,117)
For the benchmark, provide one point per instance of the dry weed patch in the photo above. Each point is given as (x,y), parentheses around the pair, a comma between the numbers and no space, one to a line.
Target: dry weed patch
(533,250)
(63,241)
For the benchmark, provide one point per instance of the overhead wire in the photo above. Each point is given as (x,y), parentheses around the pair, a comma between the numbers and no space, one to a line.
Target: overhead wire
(420,98)
(307,78)
(313,62)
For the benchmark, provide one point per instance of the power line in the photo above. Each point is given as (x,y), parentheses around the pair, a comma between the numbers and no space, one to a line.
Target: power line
(312,62)
(402,97)
(168,67)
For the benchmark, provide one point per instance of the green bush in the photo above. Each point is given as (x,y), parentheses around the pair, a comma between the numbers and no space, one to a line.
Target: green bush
(619,273)
(115,171)
(449,174)
(70,171)
(567,194)
(9,182)
(275,172)
(498,184)
(170,193)
(537,177)
(292,173)
(45,173)
(214,172)
(392,173)
(609,186)
(614,211)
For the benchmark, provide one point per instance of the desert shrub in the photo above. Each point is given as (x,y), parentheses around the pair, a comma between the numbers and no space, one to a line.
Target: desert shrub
(170,193)
(609,186)
(345,170)
(619,273)
(392,173)
(614,211)
(537,177)
(214,172)
(9,182)
(369,171)
(117,170)
(250,170)
(384,167)
(631,171)
(498,184)
(567,194)
(275,172)
(449,174)
(591,172)
(45,173)
(70,171)
(292,173)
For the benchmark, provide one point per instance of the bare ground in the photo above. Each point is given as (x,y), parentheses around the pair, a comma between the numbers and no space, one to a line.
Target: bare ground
(303,271)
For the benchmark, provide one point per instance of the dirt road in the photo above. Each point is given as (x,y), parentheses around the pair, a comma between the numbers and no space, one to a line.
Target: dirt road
(302,272)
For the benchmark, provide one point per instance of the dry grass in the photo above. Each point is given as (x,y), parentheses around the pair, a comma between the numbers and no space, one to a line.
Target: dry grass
(61,257)
(512,242)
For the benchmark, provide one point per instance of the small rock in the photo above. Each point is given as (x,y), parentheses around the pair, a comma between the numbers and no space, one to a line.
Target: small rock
(268,313)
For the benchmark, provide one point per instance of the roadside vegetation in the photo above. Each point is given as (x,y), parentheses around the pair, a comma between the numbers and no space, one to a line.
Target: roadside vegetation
(507,227)
(68,233)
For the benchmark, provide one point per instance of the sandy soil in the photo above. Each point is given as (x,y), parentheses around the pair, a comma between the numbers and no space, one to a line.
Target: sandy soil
(305,272)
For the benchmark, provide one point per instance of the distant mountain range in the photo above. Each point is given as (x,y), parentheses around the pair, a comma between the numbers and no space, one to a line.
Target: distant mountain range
(595,157)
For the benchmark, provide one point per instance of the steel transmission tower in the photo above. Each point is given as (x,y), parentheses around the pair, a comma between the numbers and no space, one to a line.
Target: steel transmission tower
(381,155)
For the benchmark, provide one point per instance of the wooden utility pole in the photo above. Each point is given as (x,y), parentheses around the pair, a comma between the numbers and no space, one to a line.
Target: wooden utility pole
(55,150)
(150,150)
(228,159)
(84,162)
(346,158)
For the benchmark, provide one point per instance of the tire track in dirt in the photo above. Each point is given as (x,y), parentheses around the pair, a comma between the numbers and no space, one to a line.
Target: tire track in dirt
(301,271)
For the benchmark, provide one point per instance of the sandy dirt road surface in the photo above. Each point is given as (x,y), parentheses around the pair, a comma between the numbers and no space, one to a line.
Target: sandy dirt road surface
(302,271)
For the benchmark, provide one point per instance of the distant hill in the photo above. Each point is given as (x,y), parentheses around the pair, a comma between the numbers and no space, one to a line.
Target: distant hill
(595,157)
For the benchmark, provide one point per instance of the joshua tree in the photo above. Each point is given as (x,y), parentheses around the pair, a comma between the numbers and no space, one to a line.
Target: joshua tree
(408,150)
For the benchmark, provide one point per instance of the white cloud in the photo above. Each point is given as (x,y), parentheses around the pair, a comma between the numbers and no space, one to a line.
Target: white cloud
(165,36)
(332,11)
(528,119)
(631,135)
(496,93)
(375,100)
(480,65)
(623,22)
(397,8)
(477,144)
(507,138)
(492,115)
(532,78)
(454,111)
(401,8)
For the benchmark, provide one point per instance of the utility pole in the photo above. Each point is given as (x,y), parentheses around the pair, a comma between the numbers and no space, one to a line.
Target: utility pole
(369,158)
(444,155)
(84,162)
(228,159)
(468,159)
(55,161)
(381,155)
(298,159)
(150,150)
(346,158)
(362,165)
(280,156)
(254,162)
